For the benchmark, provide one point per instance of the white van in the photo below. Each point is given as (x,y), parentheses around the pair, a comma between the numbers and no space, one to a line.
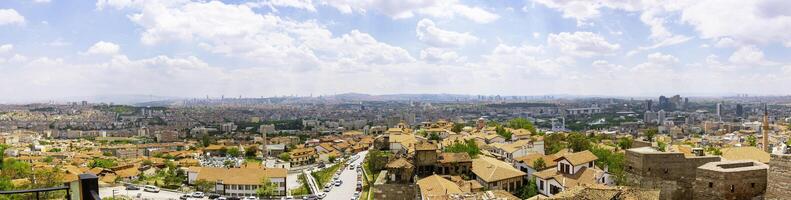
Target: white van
(151,188)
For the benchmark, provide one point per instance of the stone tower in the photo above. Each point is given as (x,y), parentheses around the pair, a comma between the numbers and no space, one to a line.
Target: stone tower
(765,129)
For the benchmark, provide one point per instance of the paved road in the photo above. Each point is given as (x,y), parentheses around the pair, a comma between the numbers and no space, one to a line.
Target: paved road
(120,190)
(349,178)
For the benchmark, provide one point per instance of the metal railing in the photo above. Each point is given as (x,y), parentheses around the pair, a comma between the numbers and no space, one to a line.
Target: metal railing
(37,191)
(88,185)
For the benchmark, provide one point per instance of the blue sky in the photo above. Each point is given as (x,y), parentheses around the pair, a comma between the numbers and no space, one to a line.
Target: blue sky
(51,49)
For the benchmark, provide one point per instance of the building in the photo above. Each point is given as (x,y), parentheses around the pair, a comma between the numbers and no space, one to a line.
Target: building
(239,181)
(426,157)
(742,179)
(495,174)
(303,156)
(572,170)
(167,136)
(455,164)
(509,151)
(400,171)
(673,173)
(436,187)
(583,111)
(527,163)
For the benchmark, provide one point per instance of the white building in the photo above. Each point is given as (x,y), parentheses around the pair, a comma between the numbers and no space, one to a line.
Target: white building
(239,181)
(572,170)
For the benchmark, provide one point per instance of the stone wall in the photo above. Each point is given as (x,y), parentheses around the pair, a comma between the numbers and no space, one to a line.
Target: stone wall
(779,177)
(746,184)
(671,172)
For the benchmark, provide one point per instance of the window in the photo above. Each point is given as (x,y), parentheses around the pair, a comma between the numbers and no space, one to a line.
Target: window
(733,189)
(541,185)
(665,171)
(752,185)
(711,185)
(590,164)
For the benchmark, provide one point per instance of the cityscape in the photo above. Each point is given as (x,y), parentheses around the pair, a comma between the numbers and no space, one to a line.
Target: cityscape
(395,100)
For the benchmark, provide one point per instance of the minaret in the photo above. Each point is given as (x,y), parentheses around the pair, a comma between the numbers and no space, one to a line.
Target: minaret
(765,129)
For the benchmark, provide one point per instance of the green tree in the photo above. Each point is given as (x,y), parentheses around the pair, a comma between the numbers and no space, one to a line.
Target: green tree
(625,143)
(15,169)
(203,185)
(54,150)
(613,161)
(332,159)
(102,163)
(554,143)
(751,140)
(528,190)
(578,142)
(502,132)
(468,146)
(457,127)
(434,136)
(285,156)
(205,140)
(233,152)
(268,188)
(522,123)
(539,164)
(662,146)
(650,133)
(250,152)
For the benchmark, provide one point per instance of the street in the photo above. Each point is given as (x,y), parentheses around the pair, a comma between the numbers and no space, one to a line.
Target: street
(349,178)
(121,190)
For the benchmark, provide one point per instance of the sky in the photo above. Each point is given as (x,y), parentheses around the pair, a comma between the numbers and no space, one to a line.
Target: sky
(51,49)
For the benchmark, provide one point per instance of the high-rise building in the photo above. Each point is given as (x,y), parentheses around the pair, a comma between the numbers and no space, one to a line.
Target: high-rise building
(739,110)
(664,103)
(719,111)
(648,104)
(660,118)
(649,117)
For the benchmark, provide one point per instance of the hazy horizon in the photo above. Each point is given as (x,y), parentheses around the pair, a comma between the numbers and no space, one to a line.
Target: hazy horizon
(52,49)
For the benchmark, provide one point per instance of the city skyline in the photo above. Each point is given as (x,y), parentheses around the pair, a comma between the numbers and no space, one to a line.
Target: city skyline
(51,49)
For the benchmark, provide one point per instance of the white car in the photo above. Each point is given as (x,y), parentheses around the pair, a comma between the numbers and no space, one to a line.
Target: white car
(197,194)
(321,195)
(251,198)
(151,188)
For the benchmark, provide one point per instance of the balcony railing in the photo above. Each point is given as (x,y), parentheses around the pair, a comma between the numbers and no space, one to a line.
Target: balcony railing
(87,188)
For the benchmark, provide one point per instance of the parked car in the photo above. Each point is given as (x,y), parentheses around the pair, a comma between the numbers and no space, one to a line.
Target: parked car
(197,194)
(185,197)
(151,188)
(251,198)
(214,196)
(338,183)
(221,198)
(132,187)
(327,189)
(233,198)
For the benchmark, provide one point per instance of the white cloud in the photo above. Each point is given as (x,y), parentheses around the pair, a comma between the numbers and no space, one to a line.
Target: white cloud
(272,4)
(439,55)
(673,40)
(744,21)
(725,42)
(236,31)
(11,17)
(41,1)
(103,48)
(662,58)
(582,44)
(429,33)
(6,48)
(749,55)
(408,9)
